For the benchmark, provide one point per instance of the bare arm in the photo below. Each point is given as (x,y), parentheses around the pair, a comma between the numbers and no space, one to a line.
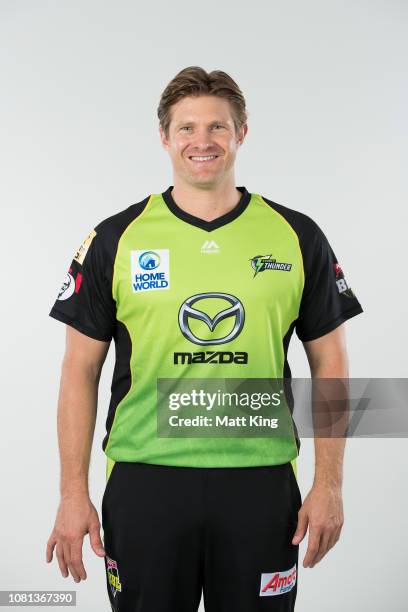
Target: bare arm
(322,509)
(327,358)
(77,405)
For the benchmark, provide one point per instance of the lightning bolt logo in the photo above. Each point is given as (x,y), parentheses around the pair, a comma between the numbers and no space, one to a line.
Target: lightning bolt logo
(258,263)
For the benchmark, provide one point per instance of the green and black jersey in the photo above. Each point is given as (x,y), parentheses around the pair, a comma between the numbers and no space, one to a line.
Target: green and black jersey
(188,298)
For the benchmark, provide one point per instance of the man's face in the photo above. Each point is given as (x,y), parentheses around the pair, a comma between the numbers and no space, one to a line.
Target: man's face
(202,127)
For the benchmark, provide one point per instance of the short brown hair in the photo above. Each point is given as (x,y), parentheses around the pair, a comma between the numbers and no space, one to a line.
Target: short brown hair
(195,81)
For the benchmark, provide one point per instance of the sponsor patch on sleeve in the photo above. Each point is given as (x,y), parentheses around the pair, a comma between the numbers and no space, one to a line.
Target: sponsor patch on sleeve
(70,285)
(83,249)
(341,282)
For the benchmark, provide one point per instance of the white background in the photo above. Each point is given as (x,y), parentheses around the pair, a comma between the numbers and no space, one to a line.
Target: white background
(326,89)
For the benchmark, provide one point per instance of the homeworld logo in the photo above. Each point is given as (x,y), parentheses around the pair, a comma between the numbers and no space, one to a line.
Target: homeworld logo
(235,312)
(260,263)
(149,260)
(150,270)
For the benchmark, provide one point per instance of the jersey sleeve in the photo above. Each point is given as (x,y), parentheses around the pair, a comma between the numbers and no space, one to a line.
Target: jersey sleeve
(327,300)
(85,300)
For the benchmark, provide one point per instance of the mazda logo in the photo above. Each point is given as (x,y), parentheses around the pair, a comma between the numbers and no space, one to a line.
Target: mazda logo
(187,311)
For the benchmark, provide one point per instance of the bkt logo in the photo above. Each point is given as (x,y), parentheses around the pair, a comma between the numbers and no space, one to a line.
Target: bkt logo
(150,270)
(188,311)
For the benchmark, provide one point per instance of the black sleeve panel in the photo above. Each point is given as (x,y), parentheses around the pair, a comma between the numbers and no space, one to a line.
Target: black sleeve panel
(85,299)
(327,300)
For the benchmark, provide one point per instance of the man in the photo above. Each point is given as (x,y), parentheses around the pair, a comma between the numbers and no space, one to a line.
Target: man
(204,281)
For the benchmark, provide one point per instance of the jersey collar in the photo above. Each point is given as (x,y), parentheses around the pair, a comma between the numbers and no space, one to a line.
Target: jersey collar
(201,223)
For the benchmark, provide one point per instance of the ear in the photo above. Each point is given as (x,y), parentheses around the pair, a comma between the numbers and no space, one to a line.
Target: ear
(242,133)
(164,139)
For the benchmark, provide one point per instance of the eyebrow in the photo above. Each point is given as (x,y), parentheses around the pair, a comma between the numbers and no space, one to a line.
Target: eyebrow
(180,123)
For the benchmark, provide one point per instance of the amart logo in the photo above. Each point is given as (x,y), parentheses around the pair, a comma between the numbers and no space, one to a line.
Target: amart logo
(277,583)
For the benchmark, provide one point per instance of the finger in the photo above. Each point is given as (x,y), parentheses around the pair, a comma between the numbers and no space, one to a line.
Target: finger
(323,547)
(95,539)
(76,558)
(67,556)
(50,548)
(301,528)
(61,561)
(313,546)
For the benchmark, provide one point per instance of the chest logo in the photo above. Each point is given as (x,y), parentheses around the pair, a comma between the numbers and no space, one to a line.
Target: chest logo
(210,247)
(260,263)
(187,312)
(150,270)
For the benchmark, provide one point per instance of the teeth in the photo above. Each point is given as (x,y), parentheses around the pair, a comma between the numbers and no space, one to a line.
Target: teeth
(196,158)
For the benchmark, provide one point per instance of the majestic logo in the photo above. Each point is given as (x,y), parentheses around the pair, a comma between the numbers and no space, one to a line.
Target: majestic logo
(341,283)
(266,262)
(70,285)
(278,583)
(113,576)
(150,270)
(187,312)
(210,246)
(149,260)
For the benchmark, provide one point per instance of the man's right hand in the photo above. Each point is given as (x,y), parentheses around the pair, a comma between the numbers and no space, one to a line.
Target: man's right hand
(76,517)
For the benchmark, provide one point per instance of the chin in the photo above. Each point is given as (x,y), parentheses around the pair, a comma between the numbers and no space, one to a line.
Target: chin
(204,181)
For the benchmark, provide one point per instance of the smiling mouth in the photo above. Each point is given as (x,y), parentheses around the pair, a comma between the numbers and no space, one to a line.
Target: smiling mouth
(203,158)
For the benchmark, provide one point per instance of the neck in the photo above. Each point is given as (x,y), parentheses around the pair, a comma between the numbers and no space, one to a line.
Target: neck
(207,203)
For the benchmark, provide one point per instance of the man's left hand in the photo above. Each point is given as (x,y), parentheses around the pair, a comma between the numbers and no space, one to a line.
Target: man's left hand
(322,512)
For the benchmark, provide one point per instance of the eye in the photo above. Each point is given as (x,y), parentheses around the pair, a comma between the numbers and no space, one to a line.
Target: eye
(185,127)
(218,125)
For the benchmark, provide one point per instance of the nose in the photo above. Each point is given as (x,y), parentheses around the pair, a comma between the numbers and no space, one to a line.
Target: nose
(204,136)
(202,140)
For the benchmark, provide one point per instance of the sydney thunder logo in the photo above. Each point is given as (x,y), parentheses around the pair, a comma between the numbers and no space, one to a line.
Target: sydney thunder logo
(260,263)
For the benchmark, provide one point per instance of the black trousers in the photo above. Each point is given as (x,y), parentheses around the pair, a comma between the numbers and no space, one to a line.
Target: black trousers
(171,533)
